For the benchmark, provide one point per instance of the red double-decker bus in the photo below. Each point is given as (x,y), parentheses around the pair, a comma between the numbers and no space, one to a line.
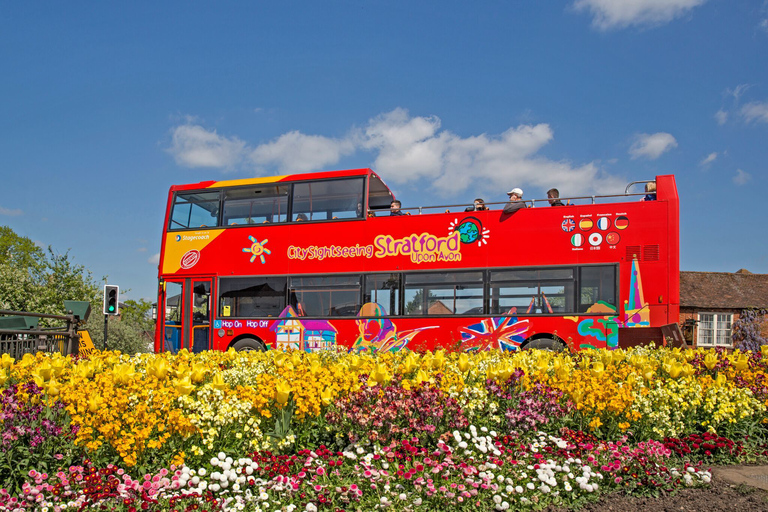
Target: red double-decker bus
(317,262)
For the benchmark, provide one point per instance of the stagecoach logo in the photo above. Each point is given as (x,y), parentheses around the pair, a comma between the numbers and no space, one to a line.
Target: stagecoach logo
(190,259)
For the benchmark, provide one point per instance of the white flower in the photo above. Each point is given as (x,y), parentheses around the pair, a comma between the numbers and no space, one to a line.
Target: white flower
(519,489)
(530,485)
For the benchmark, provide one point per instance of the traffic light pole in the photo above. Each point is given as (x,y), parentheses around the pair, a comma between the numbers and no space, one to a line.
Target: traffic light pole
(106,317)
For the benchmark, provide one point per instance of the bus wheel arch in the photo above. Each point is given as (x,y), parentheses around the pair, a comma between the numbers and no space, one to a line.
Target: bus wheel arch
(248,342)
(545,341)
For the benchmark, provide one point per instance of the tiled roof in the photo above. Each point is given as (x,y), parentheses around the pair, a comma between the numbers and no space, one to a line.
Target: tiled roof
(723,290)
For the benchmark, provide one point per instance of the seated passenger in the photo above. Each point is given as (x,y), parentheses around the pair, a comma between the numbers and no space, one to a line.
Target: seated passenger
(554,197)
(650,191)
(394,209)
(301,217)
(479,206)
(515,201)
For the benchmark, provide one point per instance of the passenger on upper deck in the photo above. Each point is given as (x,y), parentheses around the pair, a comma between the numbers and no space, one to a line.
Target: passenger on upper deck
(394,209)
(554,197)
(650,191)
(515,201)
(301,217)
(477,207)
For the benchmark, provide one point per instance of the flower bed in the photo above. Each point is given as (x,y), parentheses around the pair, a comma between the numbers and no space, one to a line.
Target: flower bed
(398,431)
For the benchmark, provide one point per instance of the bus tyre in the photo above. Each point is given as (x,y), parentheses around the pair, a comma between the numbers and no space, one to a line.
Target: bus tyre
(248,344)
(545,344)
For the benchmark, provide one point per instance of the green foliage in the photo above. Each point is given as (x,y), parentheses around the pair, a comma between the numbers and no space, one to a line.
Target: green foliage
(35,281)
(132,332)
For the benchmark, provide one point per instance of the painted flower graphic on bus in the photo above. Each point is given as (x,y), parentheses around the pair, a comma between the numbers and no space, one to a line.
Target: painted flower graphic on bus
(470,231)
(378,334)
(257,249)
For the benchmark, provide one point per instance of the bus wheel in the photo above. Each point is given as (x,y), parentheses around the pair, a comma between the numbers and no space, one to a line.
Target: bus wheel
(248,344)
(545,344)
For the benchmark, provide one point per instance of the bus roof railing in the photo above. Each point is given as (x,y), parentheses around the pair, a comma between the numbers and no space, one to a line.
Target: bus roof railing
(451,208)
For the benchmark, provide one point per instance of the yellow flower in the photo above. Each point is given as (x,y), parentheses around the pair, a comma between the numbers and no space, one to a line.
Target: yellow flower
(3,376)
(326,396)
(740,362)
(218,382)
(710,360)
(763,351)
(198,373)
(597,369)
(439,360)
(623,425)
(184,386)
(464,362)
(283,392)
(674,369)
(6,361)
(159,368)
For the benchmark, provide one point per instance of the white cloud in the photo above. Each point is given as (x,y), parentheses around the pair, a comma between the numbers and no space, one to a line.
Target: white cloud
(764,24)
(141,249)
(721,116)
(296,152)
(194,146)
(609,14)
(12,213)
(415,150)
(708,159)
(755,111)
(742,177)
(652,146)
(154,259)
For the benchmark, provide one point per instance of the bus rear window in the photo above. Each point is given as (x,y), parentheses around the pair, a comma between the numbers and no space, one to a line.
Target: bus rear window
(195,210)
(328,199)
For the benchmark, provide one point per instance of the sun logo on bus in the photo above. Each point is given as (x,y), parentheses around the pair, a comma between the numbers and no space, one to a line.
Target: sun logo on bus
(257,249)
(470,230)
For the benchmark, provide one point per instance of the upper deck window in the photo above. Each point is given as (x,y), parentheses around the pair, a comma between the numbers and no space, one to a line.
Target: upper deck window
(195,210)
(256,205)
(328,199)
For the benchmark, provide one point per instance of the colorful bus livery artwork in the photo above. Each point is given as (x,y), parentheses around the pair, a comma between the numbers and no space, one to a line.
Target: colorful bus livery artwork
(315,262)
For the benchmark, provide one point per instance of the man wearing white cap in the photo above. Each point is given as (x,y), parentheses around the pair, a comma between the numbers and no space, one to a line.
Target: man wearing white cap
(515,201)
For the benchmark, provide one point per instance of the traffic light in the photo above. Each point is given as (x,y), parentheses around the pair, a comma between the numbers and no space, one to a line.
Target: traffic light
(111,300)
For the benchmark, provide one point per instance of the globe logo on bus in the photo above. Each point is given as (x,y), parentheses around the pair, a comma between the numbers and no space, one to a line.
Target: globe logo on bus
(470,231)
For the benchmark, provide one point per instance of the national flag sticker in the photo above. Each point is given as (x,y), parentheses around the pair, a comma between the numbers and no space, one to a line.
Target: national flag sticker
(568,225)
(612,238)
(586,224)
(603,223)
(621,222)
(595,239)
(577,240)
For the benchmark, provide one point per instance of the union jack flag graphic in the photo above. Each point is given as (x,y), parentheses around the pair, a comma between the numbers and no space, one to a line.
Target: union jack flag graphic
(506,333)
(568,225)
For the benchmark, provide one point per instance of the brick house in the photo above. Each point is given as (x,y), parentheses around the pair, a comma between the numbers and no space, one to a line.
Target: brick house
(710,302)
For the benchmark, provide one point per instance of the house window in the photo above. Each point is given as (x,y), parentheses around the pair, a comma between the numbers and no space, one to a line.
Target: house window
(715,330)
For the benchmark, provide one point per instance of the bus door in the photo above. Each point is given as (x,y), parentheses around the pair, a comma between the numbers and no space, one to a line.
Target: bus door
(187,315)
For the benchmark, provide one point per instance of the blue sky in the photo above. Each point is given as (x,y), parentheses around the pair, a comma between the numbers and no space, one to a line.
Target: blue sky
(104,106)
